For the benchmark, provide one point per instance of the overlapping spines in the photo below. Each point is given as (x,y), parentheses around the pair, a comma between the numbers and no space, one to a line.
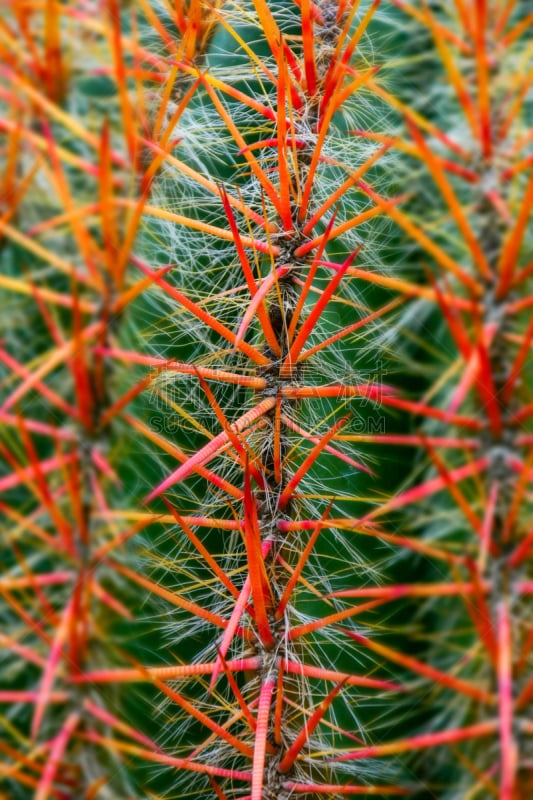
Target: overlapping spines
(258,316)
(65,250)
(287,592)
(470,511)
(253,337)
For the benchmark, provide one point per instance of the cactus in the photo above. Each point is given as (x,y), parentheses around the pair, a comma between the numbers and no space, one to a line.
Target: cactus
(473,235)
(265,453)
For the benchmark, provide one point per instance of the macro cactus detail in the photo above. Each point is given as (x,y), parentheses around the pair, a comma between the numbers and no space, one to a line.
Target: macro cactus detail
(266,399)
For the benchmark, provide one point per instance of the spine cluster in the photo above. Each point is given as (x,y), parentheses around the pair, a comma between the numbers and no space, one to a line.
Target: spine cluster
(220,576)
(273,498)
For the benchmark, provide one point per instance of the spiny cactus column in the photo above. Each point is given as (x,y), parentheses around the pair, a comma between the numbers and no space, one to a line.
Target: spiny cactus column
(477,155)
(311,83)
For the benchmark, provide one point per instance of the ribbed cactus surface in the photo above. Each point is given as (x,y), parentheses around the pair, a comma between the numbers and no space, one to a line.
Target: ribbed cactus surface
(266,455)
